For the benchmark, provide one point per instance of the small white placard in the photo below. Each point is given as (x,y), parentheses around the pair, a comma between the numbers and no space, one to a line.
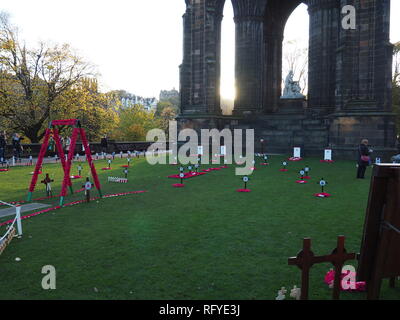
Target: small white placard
(296,152)
(200,150)
(223,150)
(328,155)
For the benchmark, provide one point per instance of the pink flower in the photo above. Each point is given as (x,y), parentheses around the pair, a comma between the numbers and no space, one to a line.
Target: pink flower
(330,278)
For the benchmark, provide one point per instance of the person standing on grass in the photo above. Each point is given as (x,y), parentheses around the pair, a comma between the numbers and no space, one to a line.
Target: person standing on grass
(67,143)
(3,145)
(104,144)
(364,158)
(51,147)
(17,147)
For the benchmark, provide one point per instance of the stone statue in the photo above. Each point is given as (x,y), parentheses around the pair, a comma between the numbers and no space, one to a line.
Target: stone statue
(292,88)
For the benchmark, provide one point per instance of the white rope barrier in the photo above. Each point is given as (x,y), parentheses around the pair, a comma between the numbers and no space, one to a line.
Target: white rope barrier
(17,220)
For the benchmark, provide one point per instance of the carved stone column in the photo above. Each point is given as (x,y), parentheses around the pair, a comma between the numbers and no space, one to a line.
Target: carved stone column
(249,62)
(324,24)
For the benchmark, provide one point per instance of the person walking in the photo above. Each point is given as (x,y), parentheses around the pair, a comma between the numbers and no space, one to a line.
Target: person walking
(364,159)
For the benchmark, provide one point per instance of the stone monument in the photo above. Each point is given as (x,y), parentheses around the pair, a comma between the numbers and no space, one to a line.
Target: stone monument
(349,85)
(292,88)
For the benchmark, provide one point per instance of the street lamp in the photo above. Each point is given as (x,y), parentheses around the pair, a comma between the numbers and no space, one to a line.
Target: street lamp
(262,146)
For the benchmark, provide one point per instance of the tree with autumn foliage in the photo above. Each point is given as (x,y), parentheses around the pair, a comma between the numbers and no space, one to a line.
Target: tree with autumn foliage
(134,123)
(34,80)
(96,110)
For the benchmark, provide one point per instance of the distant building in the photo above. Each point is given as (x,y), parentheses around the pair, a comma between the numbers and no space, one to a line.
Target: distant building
(129,100)
(168,94)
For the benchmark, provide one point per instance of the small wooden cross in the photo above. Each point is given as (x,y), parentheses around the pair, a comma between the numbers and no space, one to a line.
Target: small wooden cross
(305,259)
(338,257)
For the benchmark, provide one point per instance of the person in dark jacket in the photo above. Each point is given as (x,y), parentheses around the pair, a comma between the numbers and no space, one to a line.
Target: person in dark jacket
(16,143)
(3,145)
(104,144)
(363,159)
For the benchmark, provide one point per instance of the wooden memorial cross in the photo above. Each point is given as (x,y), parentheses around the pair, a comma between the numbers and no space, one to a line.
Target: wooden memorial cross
(305,259)
(380,248)
(338,257)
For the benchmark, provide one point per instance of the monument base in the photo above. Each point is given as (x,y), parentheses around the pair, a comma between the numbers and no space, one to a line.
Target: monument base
(292,106)
(293,127)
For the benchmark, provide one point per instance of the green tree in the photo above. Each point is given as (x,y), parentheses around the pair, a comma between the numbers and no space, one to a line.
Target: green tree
(168,114)
(95,110)
(134,123)
(170,103)
(33,80)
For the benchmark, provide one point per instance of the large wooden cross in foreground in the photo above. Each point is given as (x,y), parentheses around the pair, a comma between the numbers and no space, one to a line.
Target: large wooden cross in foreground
(305,259)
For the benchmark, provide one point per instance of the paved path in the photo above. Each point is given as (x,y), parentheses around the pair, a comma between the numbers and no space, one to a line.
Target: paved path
(10,211)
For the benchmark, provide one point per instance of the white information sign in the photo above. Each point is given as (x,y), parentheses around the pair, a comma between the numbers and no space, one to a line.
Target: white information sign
(328,155)
(296,152)
(223,150)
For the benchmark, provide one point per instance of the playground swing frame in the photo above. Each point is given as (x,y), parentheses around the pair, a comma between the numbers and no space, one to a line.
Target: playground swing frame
(66,163)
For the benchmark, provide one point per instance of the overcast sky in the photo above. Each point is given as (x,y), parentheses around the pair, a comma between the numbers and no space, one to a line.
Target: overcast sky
(135,44)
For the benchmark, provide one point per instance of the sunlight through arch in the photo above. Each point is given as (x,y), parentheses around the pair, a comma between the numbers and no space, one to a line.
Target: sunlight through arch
(295,47)
(228,91)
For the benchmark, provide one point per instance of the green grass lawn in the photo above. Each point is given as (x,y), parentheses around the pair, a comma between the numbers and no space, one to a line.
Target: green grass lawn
(204,241)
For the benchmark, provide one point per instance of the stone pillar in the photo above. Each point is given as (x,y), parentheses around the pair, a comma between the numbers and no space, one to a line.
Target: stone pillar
(324,24)
(364,59)
(249,20)
(185,68)
(200,70)
(249,62)
(213,57)
(272,70)
(363,79)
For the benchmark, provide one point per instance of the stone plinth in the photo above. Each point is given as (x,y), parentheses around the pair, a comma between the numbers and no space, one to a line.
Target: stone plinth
(292,106)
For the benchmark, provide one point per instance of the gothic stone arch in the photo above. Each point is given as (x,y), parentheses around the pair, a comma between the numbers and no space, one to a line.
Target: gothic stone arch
(349,74)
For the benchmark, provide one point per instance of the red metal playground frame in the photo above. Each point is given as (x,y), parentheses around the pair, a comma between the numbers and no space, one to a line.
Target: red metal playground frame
(66,164)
